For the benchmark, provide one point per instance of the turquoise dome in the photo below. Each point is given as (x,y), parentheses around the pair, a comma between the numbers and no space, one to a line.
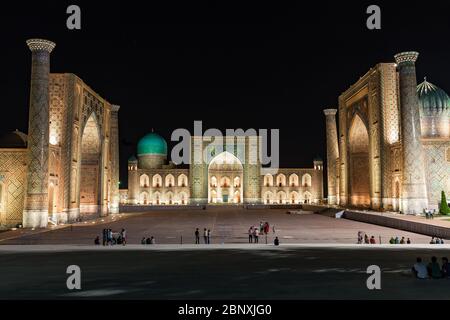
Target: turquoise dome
(432,98)
(152,144)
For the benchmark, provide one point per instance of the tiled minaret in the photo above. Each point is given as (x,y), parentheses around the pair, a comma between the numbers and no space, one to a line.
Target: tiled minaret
(36,200)
(115,196)
(332,153)
(413,193)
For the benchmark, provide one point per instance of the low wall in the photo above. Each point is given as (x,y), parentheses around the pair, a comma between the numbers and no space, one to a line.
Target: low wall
(411,226)
(273,206)
(140,208)
(387,221)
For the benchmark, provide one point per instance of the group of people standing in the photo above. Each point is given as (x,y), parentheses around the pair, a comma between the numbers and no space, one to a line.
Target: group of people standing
(255,232)
(206,236)
(110,238)
(150,240)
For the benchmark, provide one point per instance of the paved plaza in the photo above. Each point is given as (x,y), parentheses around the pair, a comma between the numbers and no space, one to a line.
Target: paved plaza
(228,225)
(265,272)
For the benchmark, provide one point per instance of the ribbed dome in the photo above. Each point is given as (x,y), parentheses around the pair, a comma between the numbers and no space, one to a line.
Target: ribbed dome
(132,159)
(432,98)
(15,139)
(152,144)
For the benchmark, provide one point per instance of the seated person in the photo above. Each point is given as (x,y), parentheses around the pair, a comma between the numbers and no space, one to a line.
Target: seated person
(97,241)
(276,241)
(144,240)
(148,241)
(392,241)
(420,270)
(445,268)
(434,270)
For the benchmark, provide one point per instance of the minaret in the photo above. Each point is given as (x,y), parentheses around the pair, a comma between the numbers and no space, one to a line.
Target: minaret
(115,195)
(332,153)
(36,199)
(133,181)
(414,192)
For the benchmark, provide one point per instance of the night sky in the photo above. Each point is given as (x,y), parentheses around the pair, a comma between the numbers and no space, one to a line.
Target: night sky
(259,66)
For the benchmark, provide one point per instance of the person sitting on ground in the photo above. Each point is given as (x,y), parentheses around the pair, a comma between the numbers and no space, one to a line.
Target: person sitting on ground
(372,240)
(144,240)
(445,268)
(408,241)
(148,241)
(276,241)
(397,240)
(432,241)
(402,241)
(420,269)
(434,270)
(97,241)
(152,240)
(392,240)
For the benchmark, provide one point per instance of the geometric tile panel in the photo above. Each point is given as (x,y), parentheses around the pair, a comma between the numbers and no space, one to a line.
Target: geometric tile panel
(13,176)
(437,170)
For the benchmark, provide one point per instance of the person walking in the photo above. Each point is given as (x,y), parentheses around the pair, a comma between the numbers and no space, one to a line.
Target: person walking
(250,235)
(209,236)
(104,236)
(205,236)
(123,235)
(109,241)
(197,236)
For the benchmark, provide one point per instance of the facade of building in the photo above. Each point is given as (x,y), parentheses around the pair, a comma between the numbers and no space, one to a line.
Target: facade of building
(218,173)
(392,150)
(68,164)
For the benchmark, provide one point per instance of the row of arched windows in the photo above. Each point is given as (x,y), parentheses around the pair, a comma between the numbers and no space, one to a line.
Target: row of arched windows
(167,198)
(281,180)
(282,197)
(225,182)
(169,181)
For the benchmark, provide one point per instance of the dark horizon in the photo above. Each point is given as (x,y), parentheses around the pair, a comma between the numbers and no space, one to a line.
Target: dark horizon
(229,66)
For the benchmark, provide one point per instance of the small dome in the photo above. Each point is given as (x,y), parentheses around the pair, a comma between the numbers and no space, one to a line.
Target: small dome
(432,98)
(152,144)
(15,139)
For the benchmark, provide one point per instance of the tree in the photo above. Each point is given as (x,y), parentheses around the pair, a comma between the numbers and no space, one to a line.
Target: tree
(443,208)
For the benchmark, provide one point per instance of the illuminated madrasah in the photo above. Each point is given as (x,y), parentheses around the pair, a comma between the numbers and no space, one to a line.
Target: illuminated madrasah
(392,150)
(67,165)
(226,175)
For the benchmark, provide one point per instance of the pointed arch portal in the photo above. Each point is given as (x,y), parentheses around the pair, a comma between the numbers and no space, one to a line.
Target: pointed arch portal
(225,173)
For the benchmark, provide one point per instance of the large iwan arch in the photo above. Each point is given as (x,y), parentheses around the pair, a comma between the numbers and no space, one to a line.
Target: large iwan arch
(225,173)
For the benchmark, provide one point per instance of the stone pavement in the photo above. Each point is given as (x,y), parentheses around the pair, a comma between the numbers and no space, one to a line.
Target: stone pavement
(228,225)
